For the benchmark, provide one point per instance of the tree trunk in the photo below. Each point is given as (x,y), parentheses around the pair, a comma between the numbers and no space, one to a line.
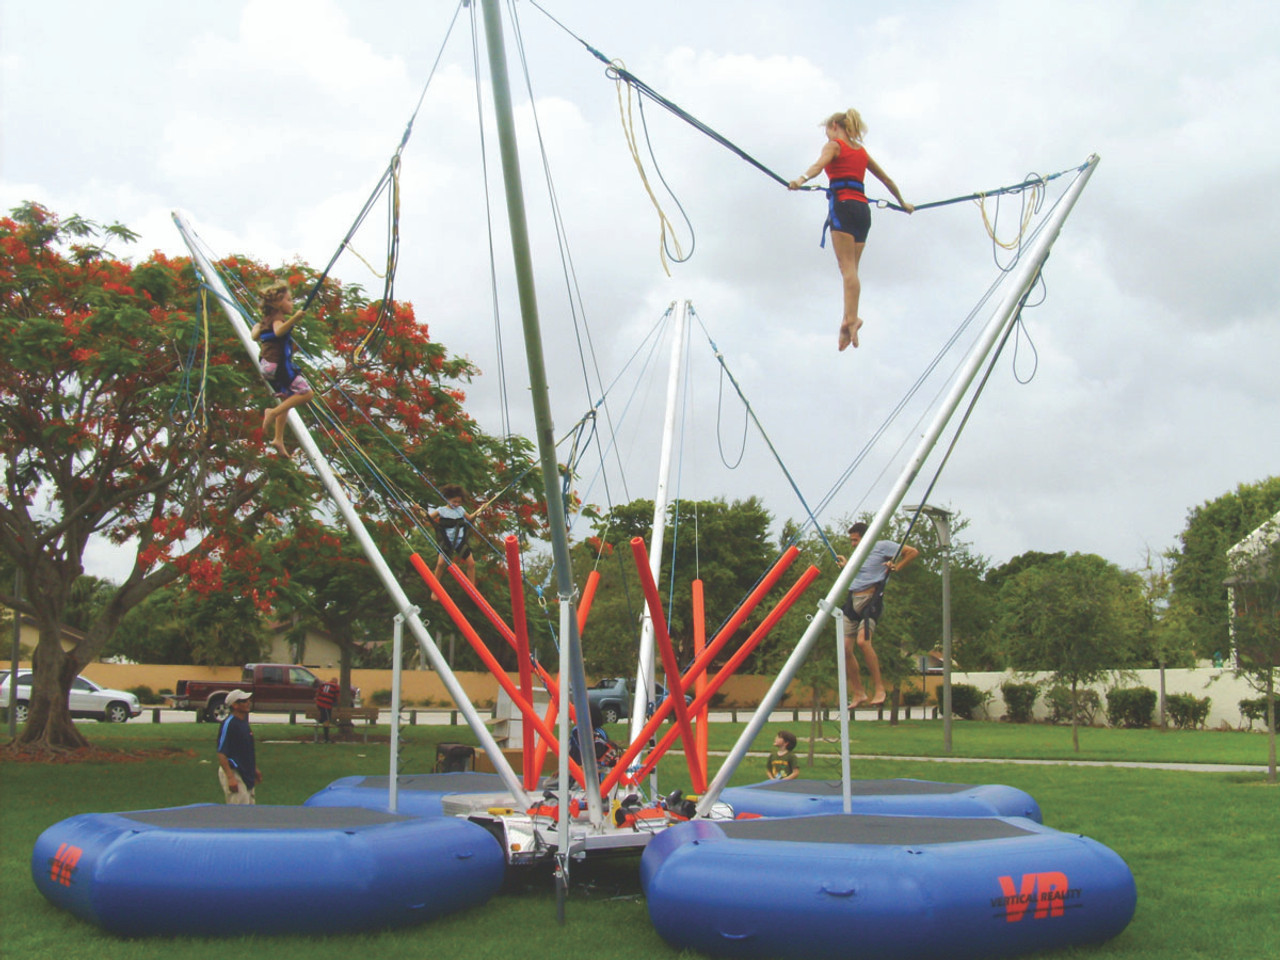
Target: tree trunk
(49,727)
(344,679)
(1271,726)
(1075,716)
(1164,722)
(815,706)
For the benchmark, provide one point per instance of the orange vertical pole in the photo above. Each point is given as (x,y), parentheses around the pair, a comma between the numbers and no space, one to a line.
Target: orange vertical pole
(516,582)
(588,595)
(700,684)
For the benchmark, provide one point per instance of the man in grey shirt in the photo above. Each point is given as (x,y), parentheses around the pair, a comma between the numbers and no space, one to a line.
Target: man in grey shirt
(866,606)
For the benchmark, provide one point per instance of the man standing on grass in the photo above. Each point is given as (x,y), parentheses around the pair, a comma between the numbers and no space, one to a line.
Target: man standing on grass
(237,766)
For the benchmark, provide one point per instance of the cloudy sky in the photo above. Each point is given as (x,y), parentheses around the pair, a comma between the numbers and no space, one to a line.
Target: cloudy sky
(1144,384)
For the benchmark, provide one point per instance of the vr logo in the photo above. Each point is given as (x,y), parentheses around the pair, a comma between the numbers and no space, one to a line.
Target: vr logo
(1047,891)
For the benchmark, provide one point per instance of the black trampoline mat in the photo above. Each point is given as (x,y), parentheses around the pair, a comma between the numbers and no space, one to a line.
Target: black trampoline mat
(869,829)
(438,782)
(863,788)
(235,817)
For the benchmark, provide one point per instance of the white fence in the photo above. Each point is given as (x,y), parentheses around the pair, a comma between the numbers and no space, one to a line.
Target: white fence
(1224,689)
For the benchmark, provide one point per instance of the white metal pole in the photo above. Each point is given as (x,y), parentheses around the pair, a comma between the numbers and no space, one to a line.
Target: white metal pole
(358,530)
(1032,260)
(945,528)
(645,667)
(397,646)
(842,686)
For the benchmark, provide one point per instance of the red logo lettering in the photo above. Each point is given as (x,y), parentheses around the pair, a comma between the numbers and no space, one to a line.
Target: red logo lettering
(1048,891)
(64,863)
(1016,901)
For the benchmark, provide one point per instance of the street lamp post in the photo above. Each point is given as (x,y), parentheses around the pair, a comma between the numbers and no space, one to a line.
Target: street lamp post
(942,524)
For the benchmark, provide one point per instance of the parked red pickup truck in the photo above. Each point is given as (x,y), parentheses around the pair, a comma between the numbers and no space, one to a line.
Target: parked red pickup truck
(276,688)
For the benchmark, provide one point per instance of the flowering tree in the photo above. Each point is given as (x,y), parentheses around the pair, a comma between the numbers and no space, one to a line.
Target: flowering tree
(90,379)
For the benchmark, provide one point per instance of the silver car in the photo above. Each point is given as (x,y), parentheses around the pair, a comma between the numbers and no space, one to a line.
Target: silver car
(86,699)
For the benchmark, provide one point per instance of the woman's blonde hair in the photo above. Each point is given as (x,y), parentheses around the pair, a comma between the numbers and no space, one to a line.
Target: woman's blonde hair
(850,121)
(272,294)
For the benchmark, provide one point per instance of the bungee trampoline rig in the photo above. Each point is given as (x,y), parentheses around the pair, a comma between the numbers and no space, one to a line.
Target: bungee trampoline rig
(898,868)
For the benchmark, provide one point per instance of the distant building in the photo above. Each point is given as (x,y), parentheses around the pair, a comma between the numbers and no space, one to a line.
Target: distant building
(29,636)
(315,649)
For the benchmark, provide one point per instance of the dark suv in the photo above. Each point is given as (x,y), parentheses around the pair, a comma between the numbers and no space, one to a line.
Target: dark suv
(613,696)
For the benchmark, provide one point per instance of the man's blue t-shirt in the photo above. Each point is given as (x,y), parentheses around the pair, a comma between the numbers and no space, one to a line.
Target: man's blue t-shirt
(874,570)
(235,742)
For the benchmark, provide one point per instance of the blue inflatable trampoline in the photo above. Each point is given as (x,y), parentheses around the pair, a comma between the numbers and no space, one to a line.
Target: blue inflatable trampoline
(893,888)
(229,870)
(418,795)
(920,798)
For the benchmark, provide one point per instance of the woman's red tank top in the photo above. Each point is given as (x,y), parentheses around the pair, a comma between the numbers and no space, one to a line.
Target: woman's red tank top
(850,164)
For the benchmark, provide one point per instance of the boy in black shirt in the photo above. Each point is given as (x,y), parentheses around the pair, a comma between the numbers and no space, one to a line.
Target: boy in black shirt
(782,762)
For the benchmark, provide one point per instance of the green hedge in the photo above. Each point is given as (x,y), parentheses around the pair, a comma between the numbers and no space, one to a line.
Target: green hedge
(145,694)
(1186,711)
(914,697)
(1058,700)
(965,698)
(1020,701)
(1132,707)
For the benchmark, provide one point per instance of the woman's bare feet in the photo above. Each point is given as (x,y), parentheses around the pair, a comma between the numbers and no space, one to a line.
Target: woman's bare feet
(858,700)
(849,333)
(877,699)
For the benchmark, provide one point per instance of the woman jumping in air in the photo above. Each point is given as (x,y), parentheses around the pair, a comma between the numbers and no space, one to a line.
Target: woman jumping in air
(846,162)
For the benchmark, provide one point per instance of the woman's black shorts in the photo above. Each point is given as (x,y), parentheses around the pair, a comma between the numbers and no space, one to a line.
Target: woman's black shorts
(852,217)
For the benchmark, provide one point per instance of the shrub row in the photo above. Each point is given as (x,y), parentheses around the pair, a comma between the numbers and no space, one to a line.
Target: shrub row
(1186,711)
(1131,707)
(1020,699)
(1058,700)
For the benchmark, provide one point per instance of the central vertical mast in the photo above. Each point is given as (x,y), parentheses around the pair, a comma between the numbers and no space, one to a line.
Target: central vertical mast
(644,691)
(571,647)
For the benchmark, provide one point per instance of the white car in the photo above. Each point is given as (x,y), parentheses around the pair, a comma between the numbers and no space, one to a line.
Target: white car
(87,699)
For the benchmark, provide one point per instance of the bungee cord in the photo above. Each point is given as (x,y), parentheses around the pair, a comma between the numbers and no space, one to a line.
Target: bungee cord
(388,183)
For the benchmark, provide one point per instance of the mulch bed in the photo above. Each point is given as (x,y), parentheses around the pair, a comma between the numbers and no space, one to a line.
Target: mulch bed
(18,753)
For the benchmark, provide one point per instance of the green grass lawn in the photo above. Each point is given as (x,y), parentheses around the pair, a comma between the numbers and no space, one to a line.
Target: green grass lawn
(993,740)
(1201,845)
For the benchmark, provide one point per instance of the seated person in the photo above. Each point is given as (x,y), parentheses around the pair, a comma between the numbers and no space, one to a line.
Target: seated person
(607,752)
